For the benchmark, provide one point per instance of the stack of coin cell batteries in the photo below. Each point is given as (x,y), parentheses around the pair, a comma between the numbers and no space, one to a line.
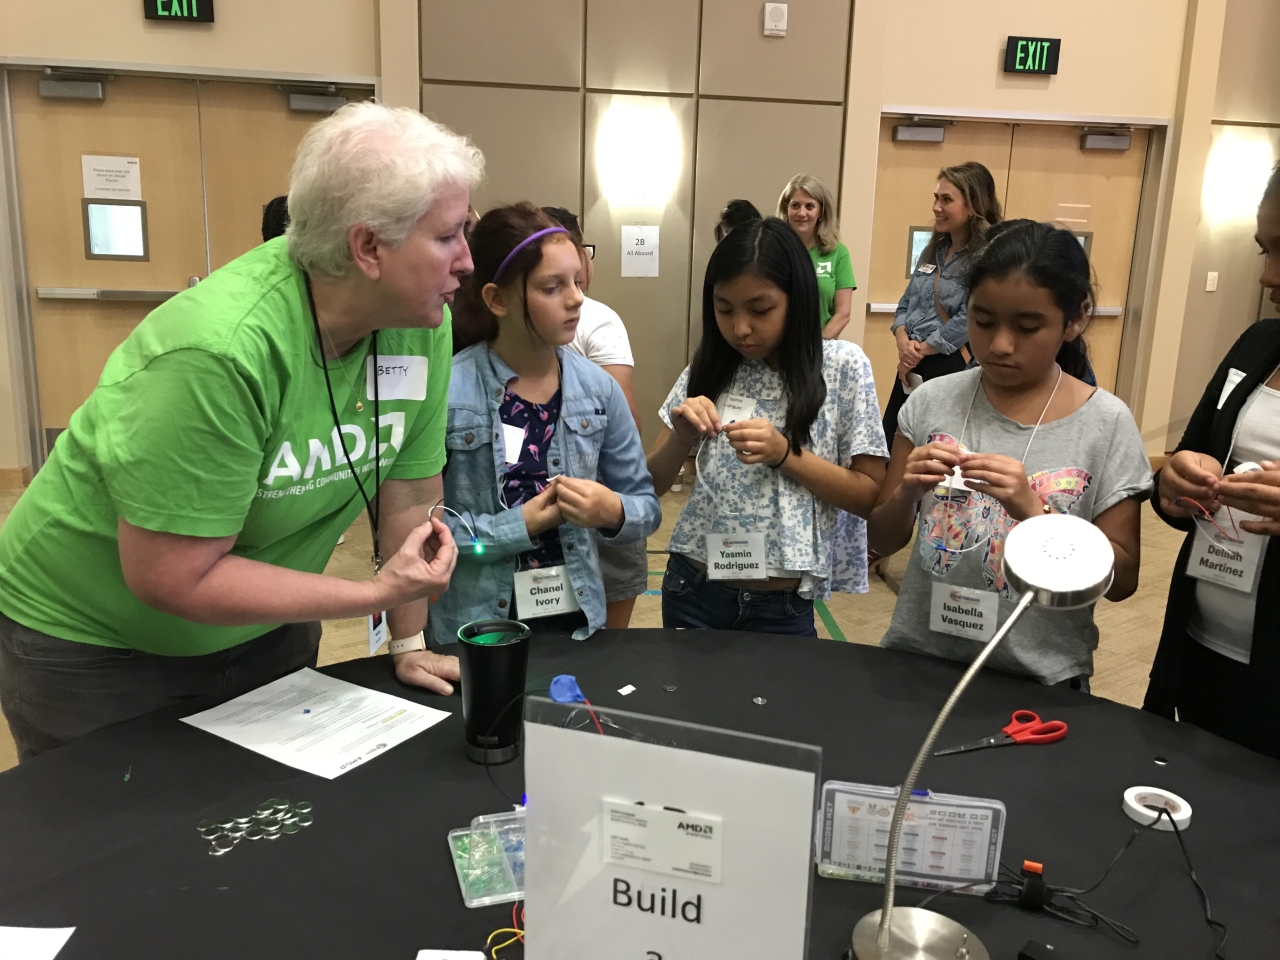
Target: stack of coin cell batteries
(268,822)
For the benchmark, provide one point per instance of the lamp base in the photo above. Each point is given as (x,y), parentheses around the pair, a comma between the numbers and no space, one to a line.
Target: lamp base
(917,934)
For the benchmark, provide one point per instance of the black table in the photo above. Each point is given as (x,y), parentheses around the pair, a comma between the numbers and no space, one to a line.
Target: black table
(121,860)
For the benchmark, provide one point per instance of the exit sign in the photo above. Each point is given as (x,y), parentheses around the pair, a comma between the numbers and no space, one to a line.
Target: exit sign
(184,11)
(1031,55)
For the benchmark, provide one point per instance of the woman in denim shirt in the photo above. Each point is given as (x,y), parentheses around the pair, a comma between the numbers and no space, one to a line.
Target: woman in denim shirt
(930,326)
(531,426)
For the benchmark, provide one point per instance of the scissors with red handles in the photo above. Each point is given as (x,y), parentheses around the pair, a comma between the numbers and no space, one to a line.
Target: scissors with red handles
(1026,727)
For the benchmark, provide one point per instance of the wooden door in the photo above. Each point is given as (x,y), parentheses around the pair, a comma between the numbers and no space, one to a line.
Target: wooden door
(250,138)
(1092,192)
(906,174)
(155,120)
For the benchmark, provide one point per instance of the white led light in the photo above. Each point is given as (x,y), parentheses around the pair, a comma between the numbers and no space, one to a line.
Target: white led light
(638,153)
(1235,176)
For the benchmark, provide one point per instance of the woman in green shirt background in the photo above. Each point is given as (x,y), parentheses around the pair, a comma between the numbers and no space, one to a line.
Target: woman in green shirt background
(810,208)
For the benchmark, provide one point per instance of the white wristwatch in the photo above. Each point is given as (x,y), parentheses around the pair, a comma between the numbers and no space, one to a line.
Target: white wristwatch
(408,644)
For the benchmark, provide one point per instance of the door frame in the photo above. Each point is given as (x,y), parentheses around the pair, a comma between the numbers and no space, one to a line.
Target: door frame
(1131,373)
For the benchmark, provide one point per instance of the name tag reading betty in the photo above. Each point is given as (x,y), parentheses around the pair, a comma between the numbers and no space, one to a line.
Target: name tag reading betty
(1218,559)
(543,592)
(399,378)
(662,840)
(963,612)
(736,556)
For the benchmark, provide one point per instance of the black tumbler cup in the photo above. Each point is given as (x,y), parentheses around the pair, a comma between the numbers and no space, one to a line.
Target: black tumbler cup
(494,656)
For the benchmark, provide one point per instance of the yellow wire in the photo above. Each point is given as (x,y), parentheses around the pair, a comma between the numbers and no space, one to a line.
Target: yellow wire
(493,953)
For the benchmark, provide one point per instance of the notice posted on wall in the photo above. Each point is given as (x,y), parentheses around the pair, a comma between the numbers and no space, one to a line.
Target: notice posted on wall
(112,178)
(639,251)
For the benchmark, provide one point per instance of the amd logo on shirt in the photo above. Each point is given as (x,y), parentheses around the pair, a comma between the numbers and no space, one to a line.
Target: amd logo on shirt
(822,268)
(322,455)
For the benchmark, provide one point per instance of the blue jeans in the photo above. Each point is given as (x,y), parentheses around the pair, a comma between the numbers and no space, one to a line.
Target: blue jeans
(690,599)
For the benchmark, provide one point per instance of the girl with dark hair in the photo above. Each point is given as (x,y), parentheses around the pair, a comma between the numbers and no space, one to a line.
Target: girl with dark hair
(531,426)
(735,214)
(1218,664)
(1021,435)
(929,326)
(787,436)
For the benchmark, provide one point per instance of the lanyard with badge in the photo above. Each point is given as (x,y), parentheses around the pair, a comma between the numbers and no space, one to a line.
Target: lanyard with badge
(1222,553)
(739,553)
(376,623)
(540,591)
(966,612)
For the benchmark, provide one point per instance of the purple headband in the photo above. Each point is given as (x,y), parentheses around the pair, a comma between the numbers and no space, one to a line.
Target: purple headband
(521,245)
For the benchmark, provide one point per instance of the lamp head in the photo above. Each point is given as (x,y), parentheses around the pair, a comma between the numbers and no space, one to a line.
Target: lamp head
(1065,561)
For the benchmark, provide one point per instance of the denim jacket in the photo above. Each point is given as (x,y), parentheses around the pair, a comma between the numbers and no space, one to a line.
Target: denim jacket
(596,439)
(918,312)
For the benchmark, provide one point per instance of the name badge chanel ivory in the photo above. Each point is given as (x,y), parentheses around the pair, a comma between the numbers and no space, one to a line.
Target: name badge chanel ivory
(1219,558)
(736,556)
(544,592)
(399,378)
(963,612)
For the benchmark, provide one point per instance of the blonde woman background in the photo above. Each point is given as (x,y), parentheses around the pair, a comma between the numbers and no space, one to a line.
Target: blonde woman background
(810,208)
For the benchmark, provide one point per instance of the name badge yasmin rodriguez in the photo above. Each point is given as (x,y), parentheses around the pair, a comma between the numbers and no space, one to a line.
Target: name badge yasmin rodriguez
(543,592)
(736,556)
(963,612)
(1216,558)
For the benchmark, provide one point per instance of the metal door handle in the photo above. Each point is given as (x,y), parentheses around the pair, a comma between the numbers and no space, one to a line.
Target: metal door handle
(97,293)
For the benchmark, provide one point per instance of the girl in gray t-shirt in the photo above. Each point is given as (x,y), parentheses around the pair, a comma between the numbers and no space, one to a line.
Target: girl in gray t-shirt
(978,451)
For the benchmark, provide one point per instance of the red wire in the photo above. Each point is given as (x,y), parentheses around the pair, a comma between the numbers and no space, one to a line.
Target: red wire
(516,926)
(1209,516)
(599,728)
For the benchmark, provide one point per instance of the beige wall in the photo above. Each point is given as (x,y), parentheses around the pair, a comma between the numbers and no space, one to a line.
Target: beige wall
(335,39)
(1249,75)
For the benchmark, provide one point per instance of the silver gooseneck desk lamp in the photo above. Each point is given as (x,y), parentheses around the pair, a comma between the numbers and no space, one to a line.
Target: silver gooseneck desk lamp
(1053,560)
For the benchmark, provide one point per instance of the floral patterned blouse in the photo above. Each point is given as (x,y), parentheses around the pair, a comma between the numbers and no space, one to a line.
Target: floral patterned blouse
(527,477)
(804,536)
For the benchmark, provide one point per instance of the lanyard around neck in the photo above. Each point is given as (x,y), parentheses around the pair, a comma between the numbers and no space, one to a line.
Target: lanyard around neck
(371,505)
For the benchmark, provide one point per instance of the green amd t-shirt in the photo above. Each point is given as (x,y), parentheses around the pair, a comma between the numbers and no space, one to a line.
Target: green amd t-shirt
(835,272)
(212,420)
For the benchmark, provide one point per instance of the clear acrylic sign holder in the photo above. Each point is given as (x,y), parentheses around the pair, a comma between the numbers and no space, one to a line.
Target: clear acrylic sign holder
(761,792)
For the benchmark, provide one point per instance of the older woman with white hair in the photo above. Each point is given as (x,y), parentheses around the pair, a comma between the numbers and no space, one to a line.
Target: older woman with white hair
(173,545)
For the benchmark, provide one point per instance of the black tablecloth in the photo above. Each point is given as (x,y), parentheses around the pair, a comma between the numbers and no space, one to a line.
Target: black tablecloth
(121,860)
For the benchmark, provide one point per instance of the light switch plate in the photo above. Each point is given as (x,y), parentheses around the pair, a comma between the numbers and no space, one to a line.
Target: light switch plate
(775,19)
(1211,283)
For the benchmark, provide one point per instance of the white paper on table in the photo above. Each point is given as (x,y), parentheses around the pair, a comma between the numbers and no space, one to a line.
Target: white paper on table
(33,943)
(450,955)
(317,723)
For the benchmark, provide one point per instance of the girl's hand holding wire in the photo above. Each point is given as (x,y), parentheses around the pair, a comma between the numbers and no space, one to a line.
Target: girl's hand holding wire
(926,467)
(757,441)
(695,419)
(1186,479)
(420,568)
(542,513)
(1257,492)
(1005,479)
(588,504)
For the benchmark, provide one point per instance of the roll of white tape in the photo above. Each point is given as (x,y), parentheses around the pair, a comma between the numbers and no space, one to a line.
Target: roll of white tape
(1145,803)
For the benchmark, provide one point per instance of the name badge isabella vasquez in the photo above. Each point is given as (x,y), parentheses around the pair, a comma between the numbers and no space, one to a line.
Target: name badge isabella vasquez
(736,556)
(963,612)
(543,592)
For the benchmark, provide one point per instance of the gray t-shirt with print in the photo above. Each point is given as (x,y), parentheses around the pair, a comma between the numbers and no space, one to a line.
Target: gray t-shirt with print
(1083,464)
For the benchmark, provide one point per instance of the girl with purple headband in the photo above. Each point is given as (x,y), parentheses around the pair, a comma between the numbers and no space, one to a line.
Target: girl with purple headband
(544,459)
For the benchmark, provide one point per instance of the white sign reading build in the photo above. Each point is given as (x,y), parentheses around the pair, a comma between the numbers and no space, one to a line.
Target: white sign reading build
(637,849)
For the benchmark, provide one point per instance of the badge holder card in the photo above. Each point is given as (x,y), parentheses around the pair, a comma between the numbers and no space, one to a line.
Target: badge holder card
(663,838)
(948,841)
(735,545)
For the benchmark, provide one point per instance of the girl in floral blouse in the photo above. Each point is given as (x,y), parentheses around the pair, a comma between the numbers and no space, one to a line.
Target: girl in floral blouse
(786,431)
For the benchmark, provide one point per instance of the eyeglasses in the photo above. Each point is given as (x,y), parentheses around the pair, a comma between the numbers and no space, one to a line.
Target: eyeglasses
(591,250)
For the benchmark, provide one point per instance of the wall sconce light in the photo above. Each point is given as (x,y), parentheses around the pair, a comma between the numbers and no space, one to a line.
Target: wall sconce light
(638,153)
(1235,175)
